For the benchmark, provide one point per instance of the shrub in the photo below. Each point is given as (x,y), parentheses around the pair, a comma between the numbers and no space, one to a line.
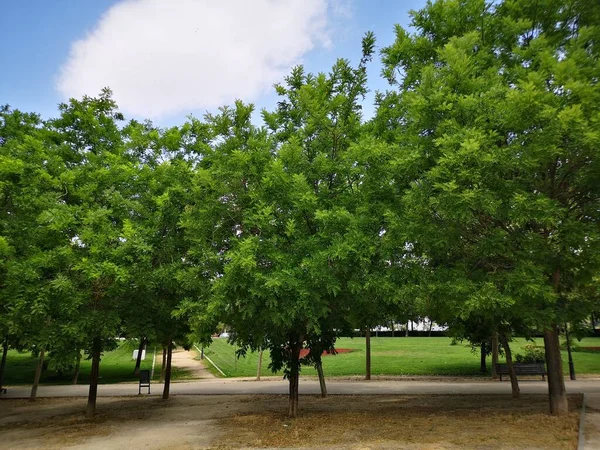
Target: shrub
(532,354)
(574,345)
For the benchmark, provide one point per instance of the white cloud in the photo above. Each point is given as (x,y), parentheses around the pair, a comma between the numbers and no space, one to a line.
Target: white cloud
(163,57)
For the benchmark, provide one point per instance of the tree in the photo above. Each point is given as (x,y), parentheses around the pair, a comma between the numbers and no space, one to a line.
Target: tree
(18,195)
(98,200)
(37,299)
(496,103)
(155,244)
(281,202)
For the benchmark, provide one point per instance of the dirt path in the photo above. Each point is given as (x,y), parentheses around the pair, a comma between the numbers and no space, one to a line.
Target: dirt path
(218,422)
(183,359)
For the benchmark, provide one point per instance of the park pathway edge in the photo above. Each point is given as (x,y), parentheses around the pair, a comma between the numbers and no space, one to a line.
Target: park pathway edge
(591,440)
(233,386)
(211,361)
(581,441)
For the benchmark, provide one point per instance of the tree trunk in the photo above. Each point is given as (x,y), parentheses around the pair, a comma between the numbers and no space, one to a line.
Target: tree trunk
(392,327)
(406,333)
(294,378)
(163,364)
(569,352)
(258,369)
(430,327)
(319,366)
(77,367)
(494,354)
(94,375)
(514,383)
(368,353)
(556,383)
(482,365)
(38,374)
(3,363)
(167,386)
(138,360)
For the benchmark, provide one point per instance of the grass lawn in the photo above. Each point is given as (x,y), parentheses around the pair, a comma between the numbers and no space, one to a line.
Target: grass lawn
(116,366)
(395,356)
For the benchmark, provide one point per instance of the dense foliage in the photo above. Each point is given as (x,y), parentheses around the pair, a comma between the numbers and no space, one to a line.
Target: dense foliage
(471,197)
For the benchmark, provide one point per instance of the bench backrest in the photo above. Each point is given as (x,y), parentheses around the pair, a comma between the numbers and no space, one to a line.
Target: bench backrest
(144,376)
(533,368)
(522,369)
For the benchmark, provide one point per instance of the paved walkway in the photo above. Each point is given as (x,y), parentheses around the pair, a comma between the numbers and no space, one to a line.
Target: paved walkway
(235,386)
(592,421)
(184,359)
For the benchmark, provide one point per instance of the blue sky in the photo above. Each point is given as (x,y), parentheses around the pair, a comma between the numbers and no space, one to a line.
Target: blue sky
(170,58)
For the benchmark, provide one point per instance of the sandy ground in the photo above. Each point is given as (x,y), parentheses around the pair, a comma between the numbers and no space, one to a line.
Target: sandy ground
(220,422)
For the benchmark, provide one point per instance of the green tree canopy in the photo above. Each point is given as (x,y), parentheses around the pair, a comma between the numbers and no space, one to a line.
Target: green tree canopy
(500,125)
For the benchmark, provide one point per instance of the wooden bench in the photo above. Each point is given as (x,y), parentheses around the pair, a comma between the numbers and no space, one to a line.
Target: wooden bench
(523,369)
(144,381)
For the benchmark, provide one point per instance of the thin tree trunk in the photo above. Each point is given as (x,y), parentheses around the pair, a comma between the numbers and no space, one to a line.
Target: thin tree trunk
(494,354)
(556,383)
(319,366)
(482,365)
(163,364)
(138,360)
(569,352)
(77,367)
(94,375)
(167,386)
(259,368)
(514,383)
(406,333)
(3,363)
(38,374)
(392,327)
(368,353)
(294,379)
(430,327)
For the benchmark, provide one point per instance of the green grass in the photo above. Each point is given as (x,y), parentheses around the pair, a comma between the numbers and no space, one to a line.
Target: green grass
(116,366)
(395,356)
